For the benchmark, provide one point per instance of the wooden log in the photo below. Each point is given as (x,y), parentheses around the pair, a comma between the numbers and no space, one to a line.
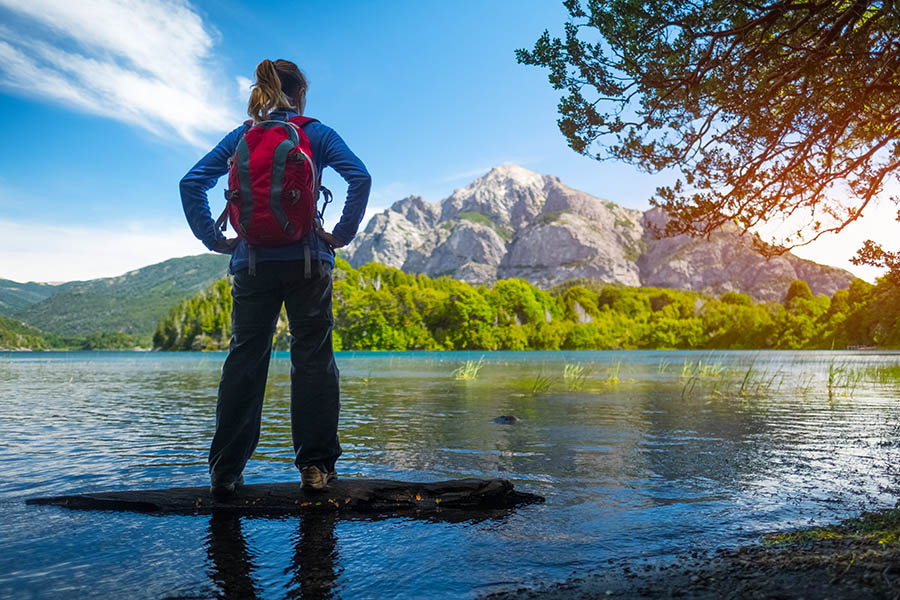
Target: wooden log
(350,496)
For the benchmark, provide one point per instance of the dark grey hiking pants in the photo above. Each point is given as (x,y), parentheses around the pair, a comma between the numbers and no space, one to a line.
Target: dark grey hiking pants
(315,395)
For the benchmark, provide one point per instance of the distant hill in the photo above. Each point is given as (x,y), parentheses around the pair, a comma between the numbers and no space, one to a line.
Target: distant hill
(15,296)
(132,303)
(513,222)
(16,336)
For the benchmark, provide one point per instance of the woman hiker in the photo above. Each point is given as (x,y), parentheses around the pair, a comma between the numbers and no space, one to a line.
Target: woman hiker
(297,275)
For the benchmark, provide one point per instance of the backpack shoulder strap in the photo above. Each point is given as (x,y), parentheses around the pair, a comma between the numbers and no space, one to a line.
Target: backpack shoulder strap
(302,121)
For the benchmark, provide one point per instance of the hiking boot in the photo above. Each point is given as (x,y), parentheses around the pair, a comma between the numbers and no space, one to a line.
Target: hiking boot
(223,490)
(314,478)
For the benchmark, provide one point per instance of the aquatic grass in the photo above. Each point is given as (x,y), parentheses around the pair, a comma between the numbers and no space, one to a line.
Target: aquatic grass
(833,374)
(535,386)
(710,370)
(574,376)
(468,371)
(541,384)
(714,380)
(882,374)
(768,388)
(882,527)
(688,387)
(759,384)
(746,379)
(365,381)
(802,536)
(699,372)
(806,383)
(700,369)
(842,381)
(613,378)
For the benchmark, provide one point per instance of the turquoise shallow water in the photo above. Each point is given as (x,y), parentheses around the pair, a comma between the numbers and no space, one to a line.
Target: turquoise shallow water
(641,456)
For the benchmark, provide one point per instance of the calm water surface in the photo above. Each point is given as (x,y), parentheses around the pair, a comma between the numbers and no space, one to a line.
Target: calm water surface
(641,456)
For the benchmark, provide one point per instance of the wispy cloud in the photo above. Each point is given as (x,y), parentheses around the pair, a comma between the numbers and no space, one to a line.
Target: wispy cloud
(143,62)
(243,88)
(470,174)
(38,252)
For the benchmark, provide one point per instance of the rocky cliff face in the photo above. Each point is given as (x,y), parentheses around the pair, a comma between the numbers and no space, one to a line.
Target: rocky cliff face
(727,262)
(576,235)
(516,223)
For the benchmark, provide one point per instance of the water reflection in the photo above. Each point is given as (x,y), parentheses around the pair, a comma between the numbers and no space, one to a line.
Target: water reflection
(315,557)
(232,562)
(313,570)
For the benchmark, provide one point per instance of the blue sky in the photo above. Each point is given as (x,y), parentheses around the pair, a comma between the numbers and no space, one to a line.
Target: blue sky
(106,104)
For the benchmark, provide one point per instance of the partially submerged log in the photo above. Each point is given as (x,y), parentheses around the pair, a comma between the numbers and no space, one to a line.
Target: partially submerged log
(352,496)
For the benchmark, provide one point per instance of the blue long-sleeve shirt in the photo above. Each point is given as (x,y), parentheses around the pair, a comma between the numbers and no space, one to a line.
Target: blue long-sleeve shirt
(328,150)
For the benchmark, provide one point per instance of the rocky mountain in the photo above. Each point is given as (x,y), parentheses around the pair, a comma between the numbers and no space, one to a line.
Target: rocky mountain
(513,222)
(132,303)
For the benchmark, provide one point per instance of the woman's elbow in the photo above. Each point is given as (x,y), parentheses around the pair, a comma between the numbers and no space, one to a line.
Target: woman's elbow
(186,184)
(364,182)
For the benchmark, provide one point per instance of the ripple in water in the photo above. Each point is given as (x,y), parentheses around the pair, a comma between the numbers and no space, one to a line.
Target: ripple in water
(666,457)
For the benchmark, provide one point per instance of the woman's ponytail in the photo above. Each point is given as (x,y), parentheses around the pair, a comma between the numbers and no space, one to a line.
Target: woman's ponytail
(276,83)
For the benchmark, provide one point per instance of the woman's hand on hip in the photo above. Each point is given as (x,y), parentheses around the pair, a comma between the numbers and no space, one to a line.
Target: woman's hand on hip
(329,239)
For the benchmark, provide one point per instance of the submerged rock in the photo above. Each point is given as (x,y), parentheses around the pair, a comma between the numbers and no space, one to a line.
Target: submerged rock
(506,420)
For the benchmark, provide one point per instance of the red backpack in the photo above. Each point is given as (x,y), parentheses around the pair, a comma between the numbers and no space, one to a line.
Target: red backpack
(272,184)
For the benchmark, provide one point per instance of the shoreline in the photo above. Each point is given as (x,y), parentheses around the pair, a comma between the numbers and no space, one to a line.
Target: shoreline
(857,558)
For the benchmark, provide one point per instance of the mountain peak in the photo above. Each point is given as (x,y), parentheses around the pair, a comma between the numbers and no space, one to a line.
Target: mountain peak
(510,169)
(509,195)
(514,173)
(417,211)
(413,200)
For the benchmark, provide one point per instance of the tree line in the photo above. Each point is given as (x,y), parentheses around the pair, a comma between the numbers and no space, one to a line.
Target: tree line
(377,307)
(15,335)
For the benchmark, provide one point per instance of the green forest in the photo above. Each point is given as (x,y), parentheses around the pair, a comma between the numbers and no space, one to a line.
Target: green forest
(15,335)
(381,308)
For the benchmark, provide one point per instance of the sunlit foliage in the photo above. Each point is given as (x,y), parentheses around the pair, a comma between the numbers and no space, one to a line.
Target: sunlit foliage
(381,308)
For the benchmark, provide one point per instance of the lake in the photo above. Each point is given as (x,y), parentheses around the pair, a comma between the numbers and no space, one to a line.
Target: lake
(641,456)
